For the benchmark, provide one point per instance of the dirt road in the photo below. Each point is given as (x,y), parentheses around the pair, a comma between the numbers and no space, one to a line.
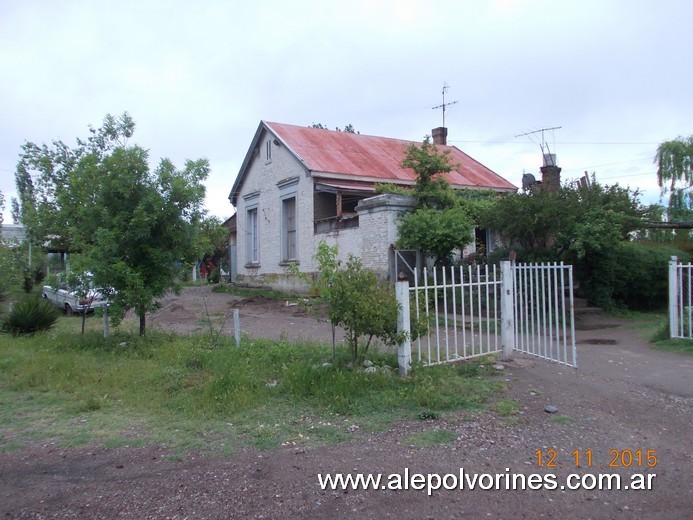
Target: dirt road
(627,405)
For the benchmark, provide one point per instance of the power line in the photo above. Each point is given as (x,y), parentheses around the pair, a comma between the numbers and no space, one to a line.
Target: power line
(609,143)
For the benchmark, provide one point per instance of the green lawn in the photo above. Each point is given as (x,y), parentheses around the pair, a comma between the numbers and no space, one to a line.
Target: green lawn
(184,393)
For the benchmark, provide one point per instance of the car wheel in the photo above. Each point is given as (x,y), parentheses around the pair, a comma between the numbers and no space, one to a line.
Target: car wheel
(68,310)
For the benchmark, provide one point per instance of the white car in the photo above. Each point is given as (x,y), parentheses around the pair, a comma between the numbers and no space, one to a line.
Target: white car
(72,300)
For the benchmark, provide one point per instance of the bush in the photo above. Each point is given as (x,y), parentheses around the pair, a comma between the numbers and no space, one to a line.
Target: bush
(29,315)
(640,276)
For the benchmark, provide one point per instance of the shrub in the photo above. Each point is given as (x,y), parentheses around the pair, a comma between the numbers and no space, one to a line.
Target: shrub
(29,315)
(640,276)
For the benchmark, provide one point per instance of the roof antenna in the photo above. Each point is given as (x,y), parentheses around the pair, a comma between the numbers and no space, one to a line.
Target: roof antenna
(445,87)
(549,158)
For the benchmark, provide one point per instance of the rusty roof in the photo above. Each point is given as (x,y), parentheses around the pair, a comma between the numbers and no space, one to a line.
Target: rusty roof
(375,158)
(330,154)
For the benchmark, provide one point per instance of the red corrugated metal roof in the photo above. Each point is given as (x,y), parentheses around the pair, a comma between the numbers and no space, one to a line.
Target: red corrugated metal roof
(332,154)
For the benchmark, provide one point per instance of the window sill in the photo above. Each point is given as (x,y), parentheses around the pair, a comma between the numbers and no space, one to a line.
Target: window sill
(284,263)
(252,265)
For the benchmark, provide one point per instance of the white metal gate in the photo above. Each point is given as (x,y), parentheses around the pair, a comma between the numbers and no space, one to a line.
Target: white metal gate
(460,309)
(680,290)
(463,312)
(543,312)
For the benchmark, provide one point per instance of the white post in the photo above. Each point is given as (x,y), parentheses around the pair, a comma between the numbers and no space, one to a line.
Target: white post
(194,272)
(404,348)
(105,321)
(673,299)
(237,327)
(507,310)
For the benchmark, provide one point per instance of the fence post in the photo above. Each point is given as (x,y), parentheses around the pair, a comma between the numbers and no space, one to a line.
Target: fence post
(237,327)
(507,309)
(404,348)
(673,298)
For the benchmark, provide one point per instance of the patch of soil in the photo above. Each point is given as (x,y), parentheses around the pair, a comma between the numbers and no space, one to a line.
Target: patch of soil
(598,341)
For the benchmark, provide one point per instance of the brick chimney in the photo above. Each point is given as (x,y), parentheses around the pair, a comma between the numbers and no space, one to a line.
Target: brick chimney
(440,136)
(550,174)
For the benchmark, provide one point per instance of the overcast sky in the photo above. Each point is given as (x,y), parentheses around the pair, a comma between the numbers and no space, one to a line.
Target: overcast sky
(197,77)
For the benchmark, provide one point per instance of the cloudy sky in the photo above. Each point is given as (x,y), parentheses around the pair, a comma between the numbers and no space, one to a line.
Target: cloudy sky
(198,77)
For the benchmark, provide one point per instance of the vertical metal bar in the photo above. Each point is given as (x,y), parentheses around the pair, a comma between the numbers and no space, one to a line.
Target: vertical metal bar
(565,323)
(478,314)
(559,290)
(464,320)
(532,309)
(488,313)
(688,307)
(418,311)
(428,317)
(471,307)
(680,284)
(454,308)
(496,293)
(542,331)
(572,316)
(435,303)
(445,313)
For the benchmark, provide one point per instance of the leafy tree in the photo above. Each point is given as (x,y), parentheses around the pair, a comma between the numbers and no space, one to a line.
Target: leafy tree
(214,239)
(349,129)
(582,226)
(132,227)
(441,222)
(675,176)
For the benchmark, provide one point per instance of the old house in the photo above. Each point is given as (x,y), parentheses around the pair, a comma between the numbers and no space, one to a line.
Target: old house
(300,185)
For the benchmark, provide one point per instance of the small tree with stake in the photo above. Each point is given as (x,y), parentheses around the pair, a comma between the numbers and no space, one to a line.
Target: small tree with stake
(366,308)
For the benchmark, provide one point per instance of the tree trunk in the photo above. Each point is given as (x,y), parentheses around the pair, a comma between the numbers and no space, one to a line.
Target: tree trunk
(142,323)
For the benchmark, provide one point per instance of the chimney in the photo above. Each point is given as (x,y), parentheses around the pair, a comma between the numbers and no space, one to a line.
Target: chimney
(550,174)
(440,136)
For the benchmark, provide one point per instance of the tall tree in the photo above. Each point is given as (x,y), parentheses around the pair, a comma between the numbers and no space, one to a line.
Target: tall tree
(675,176)
(132,228)
(440,223)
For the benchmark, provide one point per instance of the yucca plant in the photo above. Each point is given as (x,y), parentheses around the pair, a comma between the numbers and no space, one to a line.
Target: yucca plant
(29,315)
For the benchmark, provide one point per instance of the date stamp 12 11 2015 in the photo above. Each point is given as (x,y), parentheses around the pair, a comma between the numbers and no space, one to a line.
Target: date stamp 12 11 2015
(549,458)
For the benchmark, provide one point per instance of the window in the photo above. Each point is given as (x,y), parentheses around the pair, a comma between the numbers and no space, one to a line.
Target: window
(289,229)
(251,235)
(268,150)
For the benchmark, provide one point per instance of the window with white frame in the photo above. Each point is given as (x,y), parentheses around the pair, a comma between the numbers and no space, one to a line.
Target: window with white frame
(268,150)
(252,236)
(289,251)
(288,197)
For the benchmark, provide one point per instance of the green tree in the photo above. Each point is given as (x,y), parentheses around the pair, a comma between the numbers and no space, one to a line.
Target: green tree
(133,228)
(675,176)
(581,226)
(357,301)
(441,222)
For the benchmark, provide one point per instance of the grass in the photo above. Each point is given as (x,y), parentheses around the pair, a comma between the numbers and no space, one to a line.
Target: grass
(183,393)
(430,438)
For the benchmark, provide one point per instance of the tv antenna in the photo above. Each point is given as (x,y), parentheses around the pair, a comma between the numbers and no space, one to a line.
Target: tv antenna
(445,87)
(543,143)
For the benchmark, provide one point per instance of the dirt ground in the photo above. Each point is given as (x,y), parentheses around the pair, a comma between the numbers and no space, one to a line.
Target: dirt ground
(625,396)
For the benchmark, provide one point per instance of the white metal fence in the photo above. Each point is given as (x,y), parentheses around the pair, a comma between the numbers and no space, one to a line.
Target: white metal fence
(680,290)
(459,309)
(543,312)
(463,312)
